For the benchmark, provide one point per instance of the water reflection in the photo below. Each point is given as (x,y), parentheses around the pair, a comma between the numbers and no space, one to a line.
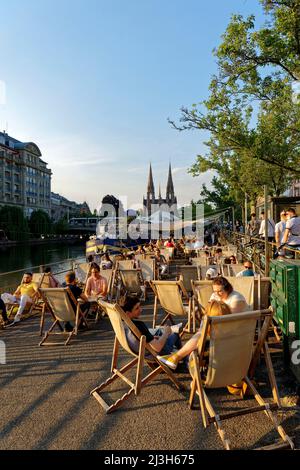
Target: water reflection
(28,256)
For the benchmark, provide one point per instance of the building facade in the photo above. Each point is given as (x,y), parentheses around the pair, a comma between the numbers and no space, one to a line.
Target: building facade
(25,180)
(152,204)
(295,189)
(61,208)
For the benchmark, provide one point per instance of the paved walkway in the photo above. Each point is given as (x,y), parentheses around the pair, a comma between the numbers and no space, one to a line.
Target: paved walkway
(45,401)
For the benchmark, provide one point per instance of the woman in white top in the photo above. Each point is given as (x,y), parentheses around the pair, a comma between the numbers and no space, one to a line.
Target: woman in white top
(223,292)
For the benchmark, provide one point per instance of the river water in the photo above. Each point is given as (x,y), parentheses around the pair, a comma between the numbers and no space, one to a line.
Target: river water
(30,256)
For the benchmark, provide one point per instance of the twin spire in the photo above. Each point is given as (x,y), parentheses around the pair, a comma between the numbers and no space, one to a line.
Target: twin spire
(170,185)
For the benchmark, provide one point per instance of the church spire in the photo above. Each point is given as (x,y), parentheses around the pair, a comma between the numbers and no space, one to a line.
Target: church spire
(170,186)
(150,187)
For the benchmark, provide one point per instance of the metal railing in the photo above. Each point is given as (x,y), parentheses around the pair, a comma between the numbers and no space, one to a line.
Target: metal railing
(11,279)
(259,252)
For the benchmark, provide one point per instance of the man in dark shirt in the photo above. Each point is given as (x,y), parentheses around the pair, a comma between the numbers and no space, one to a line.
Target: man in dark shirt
(161,341)
(77,293)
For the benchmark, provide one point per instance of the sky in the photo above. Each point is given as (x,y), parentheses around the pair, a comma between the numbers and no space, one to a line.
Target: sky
(93,82)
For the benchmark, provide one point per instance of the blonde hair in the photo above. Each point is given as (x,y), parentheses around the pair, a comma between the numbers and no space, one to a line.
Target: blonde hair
(216,309)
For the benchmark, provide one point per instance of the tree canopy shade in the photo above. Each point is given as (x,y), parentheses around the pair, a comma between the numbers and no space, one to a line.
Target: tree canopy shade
(252,114)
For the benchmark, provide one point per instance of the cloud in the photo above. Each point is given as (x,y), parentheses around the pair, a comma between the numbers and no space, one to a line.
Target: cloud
(180,169)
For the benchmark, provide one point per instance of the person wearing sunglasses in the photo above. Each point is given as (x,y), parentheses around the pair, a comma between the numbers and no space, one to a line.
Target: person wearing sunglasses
(247,271)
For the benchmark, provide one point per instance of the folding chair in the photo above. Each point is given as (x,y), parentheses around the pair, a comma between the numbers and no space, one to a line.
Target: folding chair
(232,361)
(203,270)
(186,274)
(82,271)
(108,274)
(37,278)
(202,292)
(58,302)
(170,295)
(148,269)
(245,286)
(133,283)
(120,322)
(125,264)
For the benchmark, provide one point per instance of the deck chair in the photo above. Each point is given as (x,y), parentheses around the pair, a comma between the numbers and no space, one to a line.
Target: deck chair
(203,270)
(139,256)
(233,269)
(186,274)
(232,360)
(148,269)
(82,271)
(120,323)
(133,282)
(108,274)
(37,278)
(201,261)
(57,300)
(170,295)
(125,264)
(245,286)
(202,292)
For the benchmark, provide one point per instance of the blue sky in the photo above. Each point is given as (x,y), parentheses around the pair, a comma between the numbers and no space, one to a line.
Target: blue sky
(92,83)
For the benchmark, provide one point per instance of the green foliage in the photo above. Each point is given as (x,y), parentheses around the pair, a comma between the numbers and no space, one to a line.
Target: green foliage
(40,223)
(251,113)
(13,222)
(61,227)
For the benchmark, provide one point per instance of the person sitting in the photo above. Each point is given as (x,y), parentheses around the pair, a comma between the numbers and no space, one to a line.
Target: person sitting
(292,232)
(96,285)
(161,262)
(52,281)
(213,309)
(169,243)
(223,292)
(71,283)
(162,340)
(218,256)
(247,271)
(3,313)
(106,262)
(232,259)
(24,295)
(140,250)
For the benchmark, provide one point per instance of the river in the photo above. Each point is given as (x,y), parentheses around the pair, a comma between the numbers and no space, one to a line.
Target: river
(25,257)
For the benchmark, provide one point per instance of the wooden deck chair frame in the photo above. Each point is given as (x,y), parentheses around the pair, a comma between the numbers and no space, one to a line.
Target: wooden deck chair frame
(248,362)
(177,302)
(133,282)
(58,318)
(118,320)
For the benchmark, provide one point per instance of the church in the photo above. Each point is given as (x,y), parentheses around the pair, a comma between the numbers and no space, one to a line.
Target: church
(153,204)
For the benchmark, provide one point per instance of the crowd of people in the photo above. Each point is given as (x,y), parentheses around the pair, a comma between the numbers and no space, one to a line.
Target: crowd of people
(285,233)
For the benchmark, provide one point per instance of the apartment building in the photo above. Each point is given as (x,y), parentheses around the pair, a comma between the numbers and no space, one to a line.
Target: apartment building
(25,180)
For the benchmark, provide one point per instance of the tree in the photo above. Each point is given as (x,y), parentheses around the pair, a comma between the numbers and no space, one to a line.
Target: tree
(251,114)
(13,222)
(61,226)
(40,223)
